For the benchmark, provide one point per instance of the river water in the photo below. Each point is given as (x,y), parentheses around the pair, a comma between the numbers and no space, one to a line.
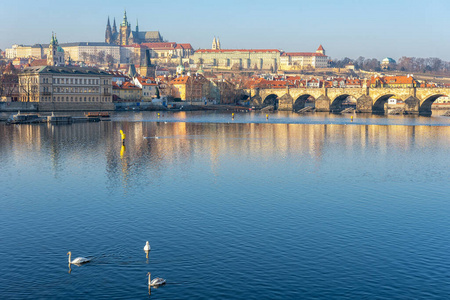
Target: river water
(293,207)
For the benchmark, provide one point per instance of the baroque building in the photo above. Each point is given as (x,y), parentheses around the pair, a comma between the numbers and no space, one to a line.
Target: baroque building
(125,36)
(55,56)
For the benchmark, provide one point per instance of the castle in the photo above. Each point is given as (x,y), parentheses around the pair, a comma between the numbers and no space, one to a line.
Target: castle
(125,36)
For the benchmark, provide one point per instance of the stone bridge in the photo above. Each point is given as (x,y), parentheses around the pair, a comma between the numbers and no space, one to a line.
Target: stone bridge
(368,100)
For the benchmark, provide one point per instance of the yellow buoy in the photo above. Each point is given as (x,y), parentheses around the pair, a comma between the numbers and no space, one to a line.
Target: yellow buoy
(351,118)
(123,136)
(158,115)
(232,116)
(267,116)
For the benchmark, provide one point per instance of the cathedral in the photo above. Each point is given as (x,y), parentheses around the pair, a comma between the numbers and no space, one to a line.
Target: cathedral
(125,36)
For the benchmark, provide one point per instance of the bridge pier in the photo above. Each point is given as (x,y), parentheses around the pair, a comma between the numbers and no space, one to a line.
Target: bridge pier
(286,103)
(323,104)
(364,104)
(412,106)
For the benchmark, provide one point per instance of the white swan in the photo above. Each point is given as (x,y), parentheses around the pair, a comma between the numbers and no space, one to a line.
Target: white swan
(78,260)
(147,247)
(155,282)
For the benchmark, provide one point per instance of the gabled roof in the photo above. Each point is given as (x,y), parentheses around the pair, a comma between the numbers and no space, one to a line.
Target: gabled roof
(147,35)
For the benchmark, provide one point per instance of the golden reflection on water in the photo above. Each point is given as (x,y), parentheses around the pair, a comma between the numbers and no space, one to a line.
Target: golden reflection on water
(179,141)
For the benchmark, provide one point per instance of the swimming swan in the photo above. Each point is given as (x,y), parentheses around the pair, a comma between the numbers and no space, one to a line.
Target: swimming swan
(147,247)
(78,260)
(155,282)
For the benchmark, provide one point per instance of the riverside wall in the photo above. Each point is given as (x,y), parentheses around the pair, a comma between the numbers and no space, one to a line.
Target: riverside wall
(53,106)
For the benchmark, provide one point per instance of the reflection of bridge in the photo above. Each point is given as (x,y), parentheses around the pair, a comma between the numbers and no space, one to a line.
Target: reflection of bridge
(416,100)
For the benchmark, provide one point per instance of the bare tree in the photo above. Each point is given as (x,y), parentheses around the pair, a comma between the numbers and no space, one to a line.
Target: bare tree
(84,56)
(101,57)
(92,58)
(110,60)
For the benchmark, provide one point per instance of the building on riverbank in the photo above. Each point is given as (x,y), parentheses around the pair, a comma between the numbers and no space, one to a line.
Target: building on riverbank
(65,87)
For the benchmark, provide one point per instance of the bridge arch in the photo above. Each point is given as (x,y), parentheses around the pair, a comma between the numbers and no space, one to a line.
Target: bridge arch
(379,103)
(301,101)
(336,104)
(425,106)
(271,99)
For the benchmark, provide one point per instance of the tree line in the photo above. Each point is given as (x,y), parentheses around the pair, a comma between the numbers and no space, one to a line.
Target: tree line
(405,64)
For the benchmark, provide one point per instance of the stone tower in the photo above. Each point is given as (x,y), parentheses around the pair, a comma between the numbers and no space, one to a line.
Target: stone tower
(108,33)
(55,56)
(125,30)
(147,69)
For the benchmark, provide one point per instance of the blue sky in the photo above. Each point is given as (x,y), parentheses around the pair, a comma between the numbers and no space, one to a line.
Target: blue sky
(344,27)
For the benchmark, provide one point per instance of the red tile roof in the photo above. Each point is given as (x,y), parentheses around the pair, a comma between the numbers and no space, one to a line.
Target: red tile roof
(237,50)
(302,54)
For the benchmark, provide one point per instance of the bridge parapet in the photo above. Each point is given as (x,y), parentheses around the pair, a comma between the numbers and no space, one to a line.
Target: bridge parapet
(417,100)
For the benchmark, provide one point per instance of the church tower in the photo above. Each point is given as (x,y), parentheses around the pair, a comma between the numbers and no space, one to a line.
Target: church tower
(108,34)
(55,56)
(216,44)
(125,30)
(114,29)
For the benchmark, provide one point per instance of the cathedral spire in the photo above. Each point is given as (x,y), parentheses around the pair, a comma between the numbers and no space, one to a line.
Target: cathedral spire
(137,25)
(114,29)
(125,20)
(108,33)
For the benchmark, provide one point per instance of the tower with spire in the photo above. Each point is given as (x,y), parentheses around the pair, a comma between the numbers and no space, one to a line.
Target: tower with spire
(125,30)
(125,36)
(108,34)
(216,44)
(55,56)
(147,69)
(114,29)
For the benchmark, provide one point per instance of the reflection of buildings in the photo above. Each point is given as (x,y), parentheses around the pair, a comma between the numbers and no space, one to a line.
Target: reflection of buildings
(182,146)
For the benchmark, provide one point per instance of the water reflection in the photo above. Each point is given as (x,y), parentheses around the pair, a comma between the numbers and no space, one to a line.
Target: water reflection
(183,142)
